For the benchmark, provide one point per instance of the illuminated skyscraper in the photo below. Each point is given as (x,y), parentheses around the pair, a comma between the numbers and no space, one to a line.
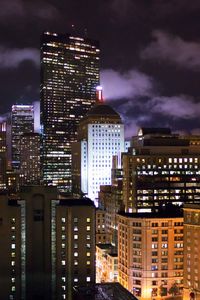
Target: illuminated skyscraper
(69,76)
(22,122)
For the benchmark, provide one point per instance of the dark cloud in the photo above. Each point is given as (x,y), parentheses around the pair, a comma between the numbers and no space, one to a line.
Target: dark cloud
(20,9)
(12,58)
(173,49)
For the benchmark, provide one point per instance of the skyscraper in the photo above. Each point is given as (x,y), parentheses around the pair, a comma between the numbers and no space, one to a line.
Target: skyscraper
(69,76)
(100,135)
(3,156)
(22,119)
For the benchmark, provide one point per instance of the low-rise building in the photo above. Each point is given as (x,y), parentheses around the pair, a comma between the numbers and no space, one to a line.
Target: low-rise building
(191,279)
(150,252)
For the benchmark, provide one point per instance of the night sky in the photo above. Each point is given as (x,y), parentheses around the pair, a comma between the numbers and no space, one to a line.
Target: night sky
(150,55)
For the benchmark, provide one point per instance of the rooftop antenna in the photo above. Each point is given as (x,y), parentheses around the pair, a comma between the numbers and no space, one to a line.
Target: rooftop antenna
(99,94)
(86,32)
(73,28)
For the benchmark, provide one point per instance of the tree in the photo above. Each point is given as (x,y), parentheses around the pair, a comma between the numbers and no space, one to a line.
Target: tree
(174,289)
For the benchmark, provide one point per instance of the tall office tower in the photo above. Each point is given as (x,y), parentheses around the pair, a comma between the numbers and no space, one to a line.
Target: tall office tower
(3,156)
(160,167)
(22,121)
(150,253)
(191,278)
(69,76)
(75,246)
(30,173)
(100,135)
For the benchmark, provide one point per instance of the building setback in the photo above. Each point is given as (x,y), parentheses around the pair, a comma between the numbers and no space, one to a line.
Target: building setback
(69,76)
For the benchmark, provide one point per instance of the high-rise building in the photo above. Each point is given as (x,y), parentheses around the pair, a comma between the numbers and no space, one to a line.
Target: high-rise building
(159,168)
(150,253)
(30,173)
(69,76)
(47,244)
(22,121)
(100,136)
(191,278)
(3,156)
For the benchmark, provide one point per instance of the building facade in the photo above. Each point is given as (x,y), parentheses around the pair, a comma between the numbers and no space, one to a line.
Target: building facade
(159,168)
(69,76)
(191,252)
(22,121)
(106,263)
(150,253)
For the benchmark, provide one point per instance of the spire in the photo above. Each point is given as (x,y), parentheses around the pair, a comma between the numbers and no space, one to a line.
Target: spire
(99,94)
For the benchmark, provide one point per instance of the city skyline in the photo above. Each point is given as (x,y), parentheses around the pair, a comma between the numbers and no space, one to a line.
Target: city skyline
(149,61)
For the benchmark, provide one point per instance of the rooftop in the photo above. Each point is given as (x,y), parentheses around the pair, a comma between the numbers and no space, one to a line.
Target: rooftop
(171,212)
(104,291)
(76,202)
(102,110)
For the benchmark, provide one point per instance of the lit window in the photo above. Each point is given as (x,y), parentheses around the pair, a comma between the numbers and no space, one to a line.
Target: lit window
(88,262)
(88,228)
(75,262)
(88,279)
(63,220)
(12,246)
(88,253)
(88,220)
(76,254)
(76,236)
(75,228)
(75,279)
(63,262)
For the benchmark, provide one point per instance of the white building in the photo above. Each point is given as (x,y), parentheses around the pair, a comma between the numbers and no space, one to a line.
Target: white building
(100,136)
